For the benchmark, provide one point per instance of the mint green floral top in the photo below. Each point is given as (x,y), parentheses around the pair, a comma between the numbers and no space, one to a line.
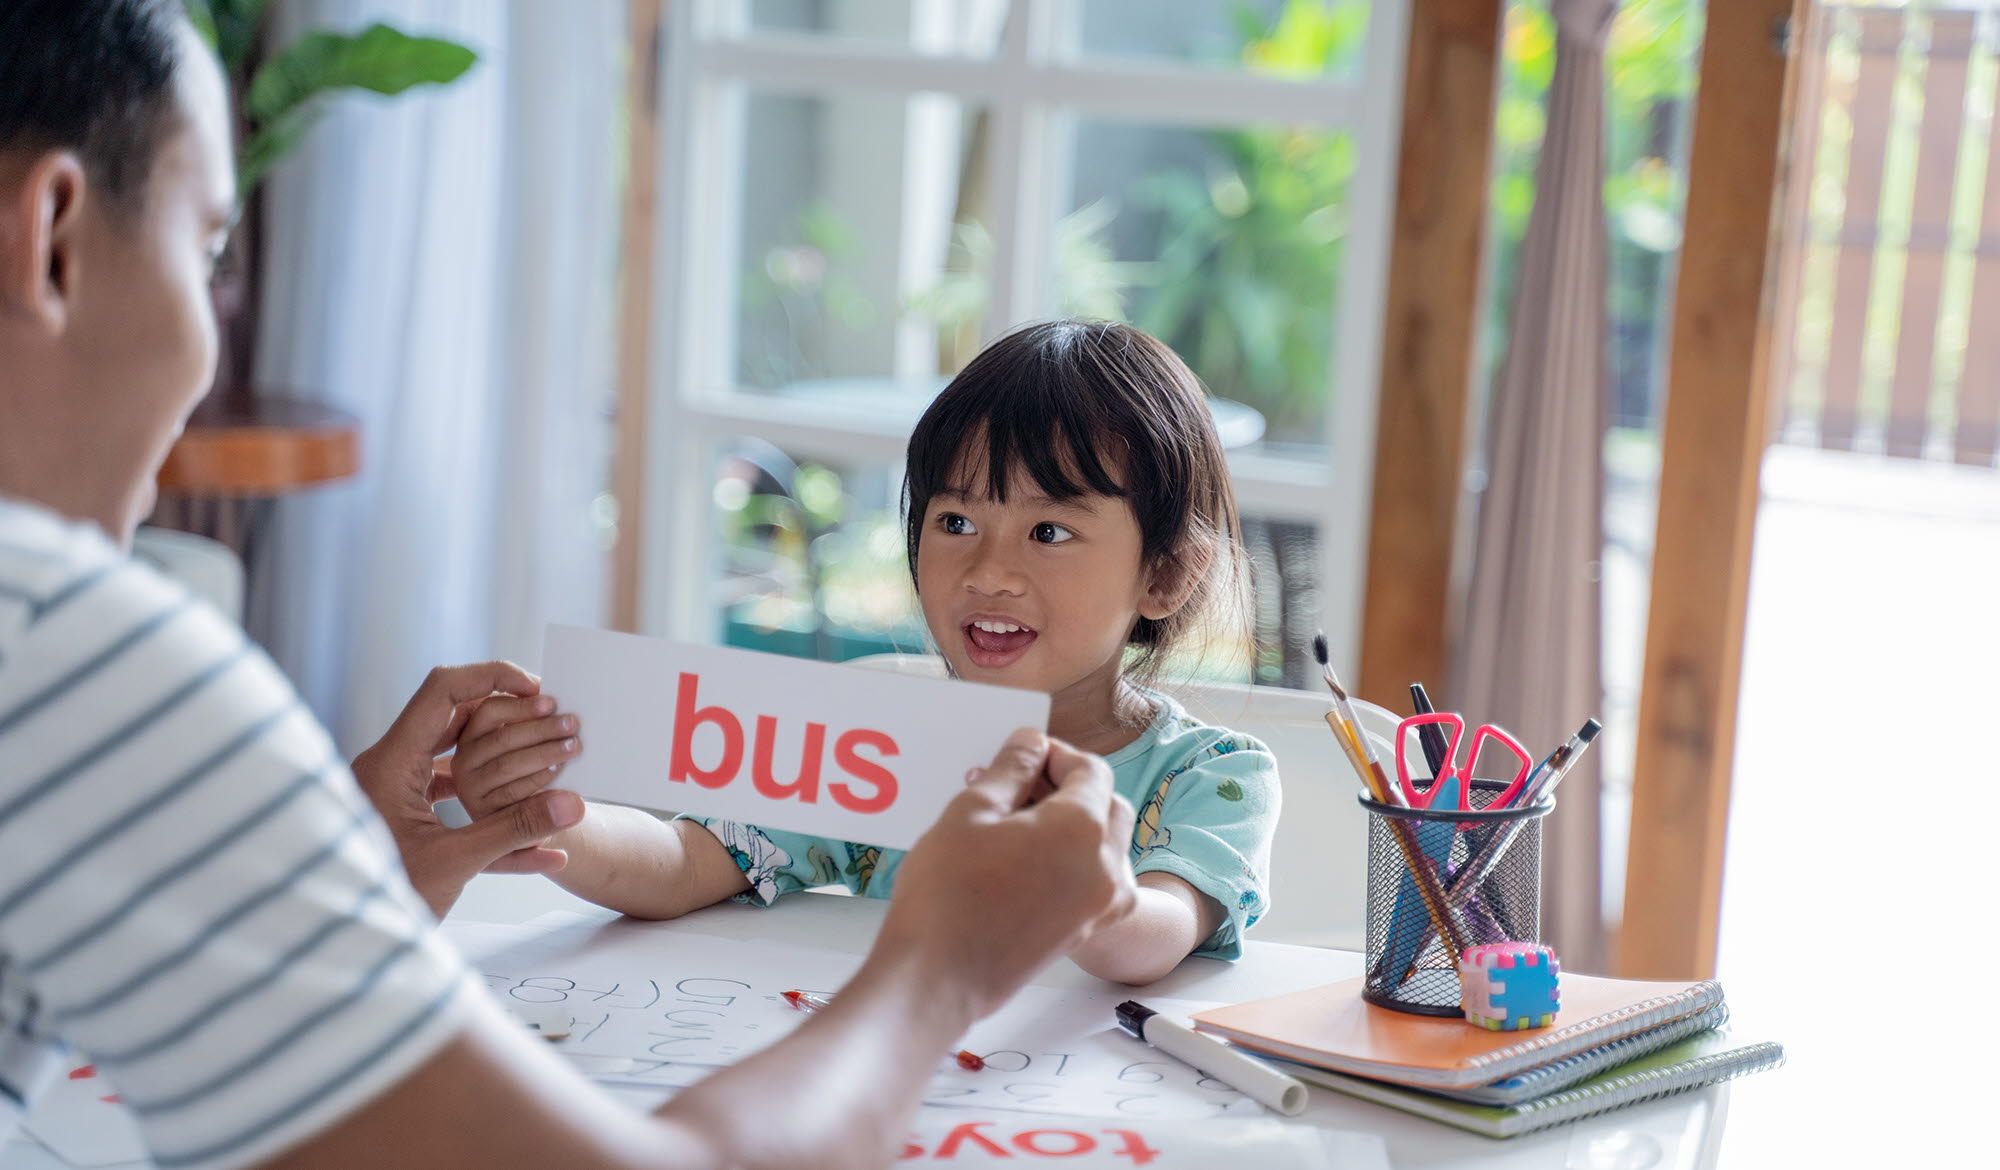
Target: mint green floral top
(1208,807)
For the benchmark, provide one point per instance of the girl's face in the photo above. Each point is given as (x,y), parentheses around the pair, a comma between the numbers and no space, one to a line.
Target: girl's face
(1033,593)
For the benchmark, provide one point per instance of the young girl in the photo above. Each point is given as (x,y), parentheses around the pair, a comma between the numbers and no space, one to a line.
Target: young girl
(1070,521)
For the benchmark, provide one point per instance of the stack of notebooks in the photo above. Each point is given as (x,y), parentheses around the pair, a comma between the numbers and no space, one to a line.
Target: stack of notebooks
(1617,1042)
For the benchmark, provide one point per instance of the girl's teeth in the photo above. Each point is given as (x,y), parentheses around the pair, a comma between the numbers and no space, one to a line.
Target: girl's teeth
(998,627)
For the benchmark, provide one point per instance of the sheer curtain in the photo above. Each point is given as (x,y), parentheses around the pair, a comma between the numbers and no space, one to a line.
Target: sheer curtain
(1530,649)
(442,267)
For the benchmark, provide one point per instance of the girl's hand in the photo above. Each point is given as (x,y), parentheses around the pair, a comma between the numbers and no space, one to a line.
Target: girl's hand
(403,778)
(511,748)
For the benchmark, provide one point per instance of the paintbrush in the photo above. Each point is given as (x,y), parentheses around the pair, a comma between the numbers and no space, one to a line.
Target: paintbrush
(1347,728)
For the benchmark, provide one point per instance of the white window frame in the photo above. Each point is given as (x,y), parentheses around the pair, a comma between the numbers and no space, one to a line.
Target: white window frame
(1033,91)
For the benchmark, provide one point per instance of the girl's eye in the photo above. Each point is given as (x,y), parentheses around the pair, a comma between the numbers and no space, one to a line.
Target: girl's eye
(1047,533)
(956,524)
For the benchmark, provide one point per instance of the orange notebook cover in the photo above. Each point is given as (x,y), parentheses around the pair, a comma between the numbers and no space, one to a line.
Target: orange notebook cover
(1331,1027)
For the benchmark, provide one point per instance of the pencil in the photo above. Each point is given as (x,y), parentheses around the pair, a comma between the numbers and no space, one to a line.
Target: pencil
(812,1001)
(1348,731)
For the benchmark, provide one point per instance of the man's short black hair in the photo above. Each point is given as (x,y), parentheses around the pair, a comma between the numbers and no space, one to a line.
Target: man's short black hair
(93,76)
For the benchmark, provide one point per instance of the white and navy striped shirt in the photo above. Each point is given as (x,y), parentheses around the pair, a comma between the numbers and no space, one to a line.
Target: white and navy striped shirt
(193,891)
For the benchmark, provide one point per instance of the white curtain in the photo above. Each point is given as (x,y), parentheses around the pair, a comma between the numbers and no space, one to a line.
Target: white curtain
(1530,652)
(442,267)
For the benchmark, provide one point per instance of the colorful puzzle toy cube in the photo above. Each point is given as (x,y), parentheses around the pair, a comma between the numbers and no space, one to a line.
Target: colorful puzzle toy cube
(1509,985)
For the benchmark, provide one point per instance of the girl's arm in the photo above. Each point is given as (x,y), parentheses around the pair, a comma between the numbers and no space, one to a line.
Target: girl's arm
(1170,919)
(634,863)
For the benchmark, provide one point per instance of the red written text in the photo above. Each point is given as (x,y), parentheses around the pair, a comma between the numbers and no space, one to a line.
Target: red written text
(878,784)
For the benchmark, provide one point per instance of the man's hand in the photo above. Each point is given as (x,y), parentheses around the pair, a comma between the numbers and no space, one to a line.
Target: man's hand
(1019,869)
(403,777)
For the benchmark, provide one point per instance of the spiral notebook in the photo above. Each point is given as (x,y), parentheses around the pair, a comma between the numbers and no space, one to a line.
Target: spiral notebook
(1332,1028)
(1551,1078)
(1706,1059)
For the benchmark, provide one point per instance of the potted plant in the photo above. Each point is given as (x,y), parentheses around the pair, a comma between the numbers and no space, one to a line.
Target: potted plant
(280,92)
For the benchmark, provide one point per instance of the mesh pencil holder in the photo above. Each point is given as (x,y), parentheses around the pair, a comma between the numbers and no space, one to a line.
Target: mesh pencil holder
(1410,968)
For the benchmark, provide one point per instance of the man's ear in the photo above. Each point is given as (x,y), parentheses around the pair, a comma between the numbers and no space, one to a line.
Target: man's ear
(38,240)
(1175,578)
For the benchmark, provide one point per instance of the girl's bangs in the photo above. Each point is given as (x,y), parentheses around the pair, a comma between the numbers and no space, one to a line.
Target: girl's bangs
(1018,429)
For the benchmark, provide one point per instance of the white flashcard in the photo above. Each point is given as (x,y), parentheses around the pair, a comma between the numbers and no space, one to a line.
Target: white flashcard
(786,743)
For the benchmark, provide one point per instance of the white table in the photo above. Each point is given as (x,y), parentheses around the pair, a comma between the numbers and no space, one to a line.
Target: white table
(1679,1133)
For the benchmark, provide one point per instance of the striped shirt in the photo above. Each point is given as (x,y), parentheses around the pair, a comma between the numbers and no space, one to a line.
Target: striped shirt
(194,894)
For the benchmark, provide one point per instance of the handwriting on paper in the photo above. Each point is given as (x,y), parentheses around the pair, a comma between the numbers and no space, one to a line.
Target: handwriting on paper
(645,1015)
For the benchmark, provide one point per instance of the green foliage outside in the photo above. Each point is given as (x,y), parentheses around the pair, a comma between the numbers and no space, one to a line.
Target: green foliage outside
(1650,68)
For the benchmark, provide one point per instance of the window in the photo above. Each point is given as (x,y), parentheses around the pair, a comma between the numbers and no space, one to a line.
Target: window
(856,195)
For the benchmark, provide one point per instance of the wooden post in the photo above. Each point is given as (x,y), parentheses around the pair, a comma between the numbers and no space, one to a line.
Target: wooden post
(1717,426)
(1947,69)
(1795,227)
(635,305)
(1431,331)
(1854,272)
(1976,434)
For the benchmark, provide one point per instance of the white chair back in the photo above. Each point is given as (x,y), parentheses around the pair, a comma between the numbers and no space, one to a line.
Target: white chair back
(208,568)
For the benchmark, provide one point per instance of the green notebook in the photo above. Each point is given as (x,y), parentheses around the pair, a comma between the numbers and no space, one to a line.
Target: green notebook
(1550,1078)
(1707,1059)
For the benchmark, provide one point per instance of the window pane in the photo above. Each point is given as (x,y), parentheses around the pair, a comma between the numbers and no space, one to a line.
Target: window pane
(1286,38)
(848,205)
(812,556)
(1270,642)
(1284,565)
(967,28)
(1226,245)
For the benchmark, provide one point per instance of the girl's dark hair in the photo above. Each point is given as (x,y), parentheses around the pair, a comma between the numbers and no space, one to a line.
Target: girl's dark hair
(1094,408)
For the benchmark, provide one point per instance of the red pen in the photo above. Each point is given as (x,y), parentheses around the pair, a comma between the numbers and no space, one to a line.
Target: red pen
(812,1001)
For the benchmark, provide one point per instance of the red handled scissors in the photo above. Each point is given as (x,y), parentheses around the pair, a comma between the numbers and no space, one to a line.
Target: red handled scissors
(1452,783)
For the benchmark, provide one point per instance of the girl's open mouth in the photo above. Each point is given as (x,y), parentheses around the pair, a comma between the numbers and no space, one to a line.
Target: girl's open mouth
(992,643)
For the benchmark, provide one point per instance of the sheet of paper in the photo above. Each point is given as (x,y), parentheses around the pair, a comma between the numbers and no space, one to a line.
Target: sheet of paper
(780,742)
(80,1119)
(646,1014)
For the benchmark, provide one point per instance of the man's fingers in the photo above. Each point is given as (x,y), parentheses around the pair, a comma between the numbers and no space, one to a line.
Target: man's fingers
(428,717)
(1010,779)
(526,824)
(1118,832)
(534,859)
(1079,778)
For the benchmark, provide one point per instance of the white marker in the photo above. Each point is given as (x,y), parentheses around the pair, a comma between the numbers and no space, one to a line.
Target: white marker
(1246,1074)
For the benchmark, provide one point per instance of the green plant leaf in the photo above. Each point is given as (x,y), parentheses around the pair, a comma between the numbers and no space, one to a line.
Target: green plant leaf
(380,59)
(1229,790)
(272,141)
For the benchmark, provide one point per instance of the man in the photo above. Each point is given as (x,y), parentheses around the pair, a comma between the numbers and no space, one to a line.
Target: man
(192,889)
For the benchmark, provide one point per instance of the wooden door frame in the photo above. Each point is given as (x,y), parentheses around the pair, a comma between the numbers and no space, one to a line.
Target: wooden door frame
(1430,340)
(646,25)
(1718,423)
